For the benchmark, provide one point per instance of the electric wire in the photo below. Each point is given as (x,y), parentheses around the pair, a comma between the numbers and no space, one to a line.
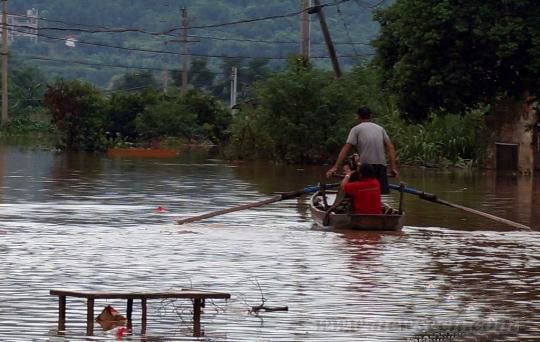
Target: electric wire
(169,31)
(177,53)
(363,4)
(347,31)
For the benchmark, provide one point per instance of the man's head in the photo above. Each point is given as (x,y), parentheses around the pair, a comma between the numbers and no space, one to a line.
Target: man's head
(364,114)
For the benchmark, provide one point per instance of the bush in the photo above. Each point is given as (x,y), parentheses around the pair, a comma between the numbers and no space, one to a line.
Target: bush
(122,110)
(300,115)
(78,111)
(194,117)
(442,140)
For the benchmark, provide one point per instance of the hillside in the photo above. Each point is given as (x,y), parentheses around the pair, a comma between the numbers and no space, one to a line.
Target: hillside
(273,39)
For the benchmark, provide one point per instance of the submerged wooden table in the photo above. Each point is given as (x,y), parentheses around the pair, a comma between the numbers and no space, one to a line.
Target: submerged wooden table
(198,298)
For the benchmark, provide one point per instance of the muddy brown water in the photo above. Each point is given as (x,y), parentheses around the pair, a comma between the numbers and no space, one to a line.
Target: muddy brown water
(90,222)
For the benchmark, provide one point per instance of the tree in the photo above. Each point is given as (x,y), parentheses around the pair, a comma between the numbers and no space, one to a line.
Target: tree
(194,116)
(454,54)
(200,76)
(26,89)
(168,118)
(122,110)
(78,112)
(300,115)
(211,115)
(256,69)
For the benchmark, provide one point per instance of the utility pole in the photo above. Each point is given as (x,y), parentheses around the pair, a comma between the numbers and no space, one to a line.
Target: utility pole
(328,39)
(5,52)
(305,29)
(185,53)
(234,86)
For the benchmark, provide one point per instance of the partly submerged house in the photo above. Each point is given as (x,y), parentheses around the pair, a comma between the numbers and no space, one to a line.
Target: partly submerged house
(514,141)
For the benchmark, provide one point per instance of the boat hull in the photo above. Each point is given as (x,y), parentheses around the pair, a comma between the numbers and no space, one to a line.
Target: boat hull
(392,221)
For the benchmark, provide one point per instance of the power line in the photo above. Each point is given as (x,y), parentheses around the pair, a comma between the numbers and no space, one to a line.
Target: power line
(250,40)
(168,32)
(346,28)
(175,53)
(123,66)
(109,29)
(268,41)
(96,44)
(62,21)
(271,17)
(128,89)
(32,99)
(96,28)
(363,4)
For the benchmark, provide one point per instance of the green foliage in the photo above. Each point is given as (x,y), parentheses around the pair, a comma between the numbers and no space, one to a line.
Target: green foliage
(211,115)
(293,117)
(83,116)
(455,54)
(25,125)
(168,118)
(442,140)
(304,115)
(194,117)
(200,76)
(26,88)
(78,111)
(122,110)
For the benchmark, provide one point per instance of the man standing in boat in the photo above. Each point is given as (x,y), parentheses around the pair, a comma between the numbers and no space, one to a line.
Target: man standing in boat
(371,141)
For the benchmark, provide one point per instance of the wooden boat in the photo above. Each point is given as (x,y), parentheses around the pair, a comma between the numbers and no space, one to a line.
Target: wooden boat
(141,153)
(341,218)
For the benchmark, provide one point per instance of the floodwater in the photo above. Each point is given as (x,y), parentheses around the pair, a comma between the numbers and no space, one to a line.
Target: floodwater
(90,222)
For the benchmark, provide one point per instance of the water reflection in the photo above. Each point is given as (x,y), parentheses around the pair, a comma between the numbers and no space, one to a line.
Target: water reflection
(89,222)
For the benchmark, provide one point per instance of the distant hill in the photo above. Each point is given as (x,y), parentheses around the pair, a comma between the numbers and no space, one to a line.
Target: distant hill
(350,23)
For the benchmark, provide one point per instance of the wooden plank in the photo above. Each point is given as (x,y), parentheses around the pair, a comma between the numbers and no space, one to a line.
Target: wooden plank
(61,313)
(197,318)
(90,317)
(129,312)
(143,316)
(193,294)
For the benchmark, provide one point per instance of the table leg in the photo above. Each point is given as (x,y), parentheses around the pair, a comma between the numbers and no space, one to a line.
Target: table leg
(197,317)
(61,314)
(90,317)
(143,318)
(129,312)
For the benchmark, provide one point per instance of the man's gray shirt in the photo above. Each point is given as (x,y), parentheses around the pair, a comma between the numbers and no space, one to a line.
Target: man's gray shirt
(369,139)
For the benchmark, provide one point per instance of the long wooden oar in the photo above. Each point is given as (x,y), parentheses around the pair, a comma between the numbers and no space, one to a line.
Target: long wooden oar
(433,198)
(277,198)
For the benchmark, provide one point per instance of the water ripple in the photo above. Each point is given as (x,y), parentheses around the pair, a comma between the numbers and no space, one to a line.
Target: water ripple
(103,233)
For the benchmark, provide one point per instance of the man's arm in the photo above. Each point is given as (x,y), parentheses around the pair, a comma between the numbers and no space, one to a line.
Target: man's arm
(392,157)
(346,178)
(341,157)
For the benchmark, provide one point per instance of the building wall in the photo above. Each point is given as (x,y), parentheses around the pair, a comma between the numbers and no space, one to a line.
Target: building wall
(514,122)
(22,25)
(536,144)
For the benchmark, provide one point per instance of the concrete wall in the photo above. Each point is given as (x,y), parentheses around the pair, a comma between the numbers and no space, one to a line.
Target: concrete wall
(514,122)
